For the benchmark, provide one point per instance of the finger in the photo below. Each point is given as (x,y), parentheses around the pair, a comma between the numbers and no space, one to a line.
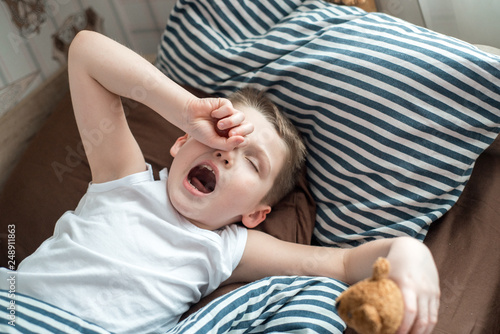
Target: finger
(227,143)
(433,313)
(242,130)
(231,121)
(235,141)
(410,301)
(421,323)
(428,312)
(220,130)
(427,315)
(223,108)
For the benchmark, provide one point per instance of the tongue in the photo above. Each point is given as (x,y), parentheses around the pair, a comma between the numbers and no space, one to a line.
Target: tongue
(199,185)
(202,179)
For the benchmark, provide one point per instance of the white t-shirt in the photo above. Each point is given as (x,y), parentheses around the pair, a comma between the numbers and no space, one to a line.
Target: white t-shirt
(126,260)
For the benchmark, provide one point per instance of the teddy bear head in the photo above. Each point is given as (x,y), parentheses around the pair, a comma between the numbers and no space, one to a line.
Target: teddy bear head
(374,305)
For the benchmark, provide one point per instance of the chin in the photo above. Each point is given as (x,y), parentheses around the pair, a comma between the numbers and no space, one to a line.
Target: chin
(199,212)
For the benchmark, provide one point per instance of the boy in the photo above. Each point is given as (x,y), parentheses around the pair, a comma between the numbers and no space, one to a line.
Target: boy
(136,252)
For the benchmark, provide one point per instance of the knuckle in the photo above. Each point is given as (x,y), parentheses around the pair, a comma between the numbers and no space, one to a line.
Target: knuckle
(412,310)
(404,328)
(433,319)
(422,322)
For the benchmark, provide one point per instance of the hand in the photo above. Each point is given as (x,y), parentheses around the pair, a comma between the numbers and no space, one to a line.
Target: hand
(413,269)
(216,123)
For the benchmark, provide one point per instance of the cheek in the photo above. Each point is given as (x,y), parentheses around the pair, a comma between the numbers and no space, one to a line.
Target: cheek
(252,188)
(246,180)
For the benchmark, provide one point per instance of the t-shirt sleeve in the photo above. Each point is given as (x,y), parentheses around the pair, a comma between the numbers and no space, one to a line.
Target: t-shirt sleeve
(235,237)
(128,180)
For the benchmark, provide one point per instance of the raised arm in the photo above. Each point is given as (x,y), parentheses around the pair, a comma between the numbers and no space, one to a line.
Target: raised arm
(100,71)
(412,268)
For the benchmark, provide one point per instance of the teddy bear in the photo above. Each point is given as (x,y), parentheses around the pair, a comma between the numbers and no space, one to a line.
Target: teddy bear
(374,305)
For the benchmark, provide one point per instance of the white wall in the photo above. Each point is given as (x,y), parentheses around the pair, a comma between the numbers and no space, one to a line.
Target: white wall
(474,21)
(26,61)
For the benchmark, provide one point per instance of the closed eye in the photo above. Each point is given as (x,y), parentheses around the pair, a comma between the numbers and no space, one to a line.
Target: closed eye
(254,165)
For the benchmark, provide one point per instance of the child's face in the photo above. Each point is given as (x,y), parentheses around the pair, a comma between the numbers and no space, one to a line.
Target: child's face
(213,188)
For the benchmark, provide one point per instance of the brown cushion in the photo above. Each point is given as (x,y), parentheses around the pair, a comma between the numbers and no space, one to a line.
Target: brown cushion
(465,245)
(53,175)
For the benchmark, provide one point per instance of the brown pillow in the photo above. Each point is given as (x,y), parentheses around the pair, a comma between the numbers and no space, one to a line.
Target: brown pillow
(53,175)
(464,243)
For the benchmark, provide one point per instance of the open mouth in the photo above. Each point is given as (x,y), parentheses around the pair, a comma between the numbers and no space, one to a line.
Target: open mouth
(202,178)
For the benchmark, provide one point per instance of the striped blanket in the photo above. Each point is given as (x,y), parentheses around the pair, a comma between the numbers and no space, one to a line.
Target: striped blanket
(275,304)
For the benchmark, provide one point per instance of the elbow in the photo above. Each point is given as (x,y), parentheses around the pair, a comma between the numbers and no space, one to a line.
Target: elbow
(81,44)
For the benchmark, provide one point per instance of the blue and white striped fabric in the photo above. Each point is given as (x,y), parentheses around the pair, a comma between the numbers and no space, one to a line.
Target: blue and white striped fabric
(393,115)
(279,304)
(274,304)
(20,314)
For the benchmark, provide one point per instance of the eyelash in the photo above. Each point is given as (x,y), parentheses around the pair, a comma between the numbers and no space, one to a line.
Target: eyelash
(253,165)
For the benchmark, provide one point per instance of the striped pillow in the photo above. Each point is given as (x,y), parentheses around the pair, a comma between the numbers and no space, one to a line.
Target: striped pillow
(279,304)
(394,115)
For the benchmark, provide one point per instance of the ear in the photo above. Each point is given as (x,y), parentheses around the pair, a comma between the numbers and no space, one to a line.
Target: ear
(178,144)
(256,217)
(367,319)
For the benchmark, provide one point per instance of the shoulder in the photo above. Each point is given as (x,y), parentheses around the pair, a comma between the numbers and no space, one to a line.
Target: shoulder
(233,237)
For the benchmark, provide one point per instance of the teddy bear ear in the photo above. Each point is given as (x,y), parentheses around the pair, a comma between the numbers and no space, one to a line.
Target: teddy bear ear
(367,320)
(381,269)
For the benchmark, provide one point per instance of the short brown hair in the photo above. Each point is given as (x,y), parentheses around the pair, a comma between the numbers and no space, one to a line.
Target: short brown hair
(296,151)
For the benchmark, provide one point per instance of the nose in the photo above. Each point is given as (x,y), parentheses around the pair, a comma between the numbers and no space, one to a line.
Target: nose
(226,157)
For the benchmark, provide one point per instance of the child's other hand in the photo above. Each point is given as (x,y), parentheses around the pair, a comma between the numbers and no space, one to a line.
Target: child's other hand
(413,269)
(216,123)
